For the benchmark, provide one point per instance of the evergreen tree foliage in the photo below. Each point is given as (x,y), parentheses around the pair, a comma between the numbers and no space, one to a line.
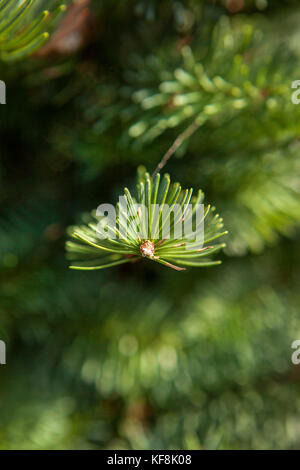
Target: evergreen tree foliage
(139,356)
(21,35)
(157,225)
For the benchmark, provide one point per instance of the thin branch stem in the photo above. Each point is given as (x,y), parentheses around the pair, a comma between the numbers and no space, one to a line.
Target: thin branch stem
(176,144)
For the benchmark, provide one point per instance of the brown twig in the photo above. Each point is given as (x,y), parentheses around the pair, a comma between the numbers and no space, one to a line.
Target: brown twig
(177,142)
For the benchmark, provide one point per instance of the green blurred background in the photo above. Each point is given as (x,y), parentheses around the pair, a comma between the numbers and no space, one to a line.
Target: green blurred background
(140,356)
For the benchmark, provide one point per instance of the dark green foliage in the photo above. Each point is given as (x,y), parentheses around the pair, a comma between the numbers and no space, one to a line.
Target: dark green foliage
(139,356)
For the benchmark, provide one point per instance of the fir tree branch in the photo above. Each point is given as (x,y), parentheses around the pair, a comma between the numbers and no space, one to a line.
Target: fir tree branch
(176,144)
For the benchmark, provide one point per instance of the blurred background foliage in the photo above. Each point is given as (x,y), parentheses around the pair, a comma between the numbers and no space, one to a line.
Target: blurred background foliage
(139,356)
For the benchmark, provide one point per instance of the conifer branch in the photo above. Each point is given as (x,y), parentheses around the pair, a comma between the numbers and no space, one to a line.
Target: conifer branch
(176,144)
